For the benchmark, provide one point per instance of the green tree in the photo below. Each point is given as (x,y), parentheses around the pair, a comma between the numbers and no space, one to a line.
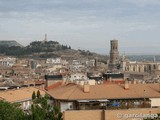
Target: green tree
(57,115)
(43,110)
(10,111)
(33,95)
(38,94)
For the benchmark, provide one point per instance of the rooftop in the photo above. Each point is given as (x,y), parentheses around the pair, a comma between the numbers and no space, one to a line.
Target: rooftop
(109,91)
(18,95)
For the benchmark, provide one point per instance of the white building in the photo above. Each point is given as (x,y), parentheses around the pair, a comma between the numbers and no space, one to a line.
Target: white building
(91,63)
(53,60)
(76,62)
(78,76)
(7,62)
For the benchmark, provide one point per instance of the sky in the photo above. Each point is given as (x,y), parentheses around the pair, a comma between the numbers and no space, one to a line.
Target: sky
(84,24)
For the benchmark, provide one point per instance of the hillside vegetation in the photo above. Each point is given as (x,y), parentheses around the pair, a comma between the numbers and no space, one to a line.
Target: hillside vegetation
(8,48)
(49,49)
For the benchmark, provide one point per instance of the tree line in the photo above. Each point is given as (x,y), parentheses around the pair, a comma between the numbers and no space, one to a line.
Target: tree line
(33,47)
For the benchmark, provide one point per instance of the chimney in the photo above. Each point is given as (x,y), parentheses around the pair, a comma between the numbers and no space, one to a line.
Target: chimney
(129,82)
(46,82)
(86,87)
(134,82)
(126,85)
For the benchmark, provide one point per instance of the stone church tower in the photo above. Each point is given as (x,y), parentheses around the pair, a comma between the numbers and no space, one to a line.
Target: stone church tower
(114,55)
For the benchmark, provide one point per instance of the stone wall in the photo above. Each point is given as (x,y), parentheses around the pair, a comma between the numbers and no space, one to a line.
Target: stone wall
(130,114)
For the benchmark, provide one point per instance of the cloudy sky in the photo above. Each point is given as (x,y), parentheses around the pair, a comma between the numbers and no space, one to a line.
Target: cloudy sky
(84,24)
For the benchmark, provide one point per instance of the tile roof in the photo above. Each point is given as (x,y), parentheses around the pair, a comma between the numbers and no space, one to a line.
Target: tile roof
(18,95)
(40,82)
(54,85)
(109,91)
(1,98)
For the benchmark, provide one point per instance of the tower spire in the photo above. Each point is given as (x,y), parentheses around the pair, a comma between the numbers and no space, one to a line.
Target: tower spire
(45,39)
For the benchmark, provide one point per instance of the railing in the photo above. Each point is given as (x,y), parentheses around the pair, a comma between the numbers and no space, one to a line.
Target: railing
(114,105)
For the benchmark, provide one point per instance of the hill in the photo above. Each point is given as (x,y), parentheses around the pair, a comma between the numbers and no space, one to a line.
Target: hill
(9,43)
(49,49)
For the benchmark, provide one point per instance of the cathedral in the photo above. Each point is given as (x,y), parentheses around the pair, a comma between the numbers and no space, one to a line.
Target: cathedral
(125,65)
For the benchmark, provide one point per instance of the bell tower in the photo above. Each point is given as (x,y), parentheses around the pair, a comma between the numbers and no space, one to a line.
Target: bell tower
(114,55)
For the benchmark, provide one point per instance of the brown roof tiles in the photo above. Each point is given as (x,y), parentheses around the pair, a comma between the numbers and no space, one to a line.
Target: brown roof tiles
(111,91)
(18,95)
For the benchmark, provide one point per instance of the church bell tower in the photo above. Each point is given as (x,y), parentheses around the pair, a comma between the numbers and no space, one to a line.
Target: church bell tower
(114,55)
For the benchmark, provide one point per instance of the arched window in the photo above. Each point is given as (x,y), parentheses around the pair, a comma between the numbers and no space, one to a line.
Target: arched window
(149,67)
(145,68)
(154,66)
(134,69)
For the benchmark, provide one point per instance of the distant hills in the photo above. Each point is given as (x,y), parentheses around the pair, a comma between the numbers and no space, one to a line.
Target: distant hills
(9,43)
(46,49)
(16,49)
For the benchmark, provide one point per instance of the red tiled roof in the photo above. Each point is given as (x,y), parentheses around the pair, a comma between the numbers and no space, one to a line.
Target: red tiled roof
(112,91)
(18,95)
(54,85)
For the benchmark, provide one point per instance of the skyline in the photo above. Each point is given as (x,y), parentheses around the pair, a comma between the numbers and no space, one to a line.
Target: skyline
(88,25)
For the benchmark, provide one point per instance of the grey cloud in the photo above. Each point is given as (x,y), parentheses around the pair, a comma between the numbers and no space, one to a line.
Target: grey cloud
(78,22)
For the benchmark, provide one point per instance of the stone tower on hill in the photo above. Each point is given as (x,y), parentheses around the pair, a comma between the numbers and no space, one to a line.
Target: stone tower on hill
(45,38)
